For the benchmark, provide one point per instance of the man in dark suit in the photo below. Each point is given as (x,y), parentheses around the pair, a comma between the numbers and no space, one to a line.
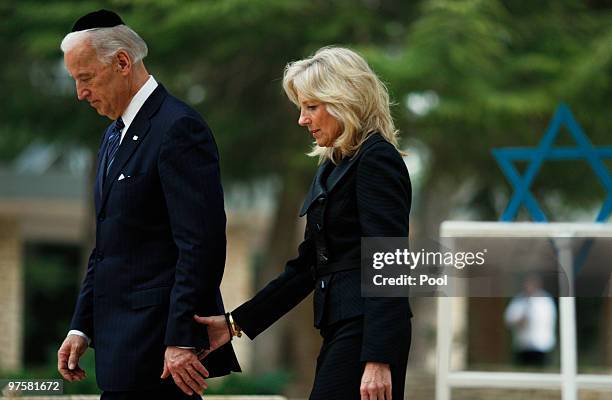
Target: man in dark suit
(160,232)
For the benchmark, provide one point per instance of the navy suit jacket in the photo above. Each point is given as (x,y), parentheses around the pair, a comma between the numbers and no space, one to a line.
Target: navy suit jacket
(160,247)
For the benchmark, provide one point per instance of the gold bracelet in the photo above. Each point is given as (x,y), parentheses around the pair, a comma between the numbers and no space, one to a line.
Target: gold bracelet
(236,331)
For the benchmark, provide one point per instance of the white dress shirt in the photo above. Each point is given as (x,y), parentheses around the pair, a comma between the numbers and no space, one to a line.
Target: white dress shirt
(136,104)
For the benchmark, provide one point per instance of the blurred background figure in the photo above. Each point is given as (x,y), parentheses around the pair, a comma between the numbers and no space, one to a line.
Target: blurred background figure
(532,316)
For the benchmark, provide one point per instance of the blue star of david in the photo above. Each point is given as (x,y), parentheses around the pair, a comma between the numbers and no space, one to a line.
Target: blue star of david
(536,156)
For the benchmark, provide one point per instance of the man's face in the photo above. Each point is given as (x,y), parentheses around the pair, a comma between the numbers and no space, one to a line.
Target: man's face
(103,85)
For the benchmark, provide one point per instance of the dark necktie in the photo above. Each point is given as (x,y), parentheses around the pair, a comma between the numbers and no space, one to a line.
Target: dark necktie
(113,143)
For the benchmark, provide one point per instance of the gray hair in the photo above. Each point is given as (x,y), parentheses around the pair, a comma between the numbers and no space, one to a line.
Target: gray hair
(108,41)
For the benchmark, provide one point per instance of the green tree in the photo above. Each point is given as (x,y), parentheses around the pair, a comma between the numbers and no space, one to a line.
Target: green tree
(498,70)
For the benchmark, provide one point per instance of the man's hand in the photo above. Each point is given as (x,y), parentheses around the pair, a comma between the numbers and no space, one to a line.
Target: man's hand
(376,382)
(68,357)
(218,334)
(186,370)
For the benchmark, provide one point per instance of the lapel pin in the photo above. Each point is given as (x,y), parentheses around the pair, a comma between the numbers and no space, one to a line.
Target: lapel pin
(135,137)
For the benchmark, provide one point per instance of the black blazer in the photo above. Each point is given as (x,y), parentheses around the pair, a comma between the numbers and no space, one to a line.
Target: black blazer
(368,194)
(160,247)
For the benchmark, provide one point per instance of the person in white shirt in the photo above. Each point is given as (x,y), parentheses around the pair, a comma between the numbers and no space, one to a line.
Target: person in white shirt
(532,316)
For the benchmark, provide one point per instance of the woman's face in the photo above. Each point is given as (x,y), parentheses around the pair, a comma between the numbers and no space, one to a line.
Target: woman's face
(322,125)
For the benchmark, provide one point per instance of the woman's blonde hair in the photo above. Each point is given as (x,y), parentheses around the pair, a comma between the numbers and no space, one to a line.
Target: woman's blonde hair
(351,92)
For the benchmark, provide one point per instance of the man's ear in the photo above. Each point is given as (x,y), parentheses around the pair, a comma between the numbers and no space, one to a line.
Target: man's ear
(123,63)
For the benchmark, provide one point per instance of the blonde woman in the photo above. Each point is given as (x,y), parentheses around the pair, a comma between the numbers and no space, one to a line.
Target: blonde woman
(361,189)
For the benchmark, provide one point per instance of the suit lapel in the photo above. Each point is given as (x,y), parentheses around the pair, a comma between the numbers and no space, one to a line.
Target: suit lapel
(100,170)
(317,189)
(346,164)
(338,172)
(138,128)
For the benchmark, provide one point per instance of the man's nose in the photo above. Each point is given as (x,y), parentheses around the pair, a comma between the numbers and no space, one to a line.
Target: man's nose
(82,93)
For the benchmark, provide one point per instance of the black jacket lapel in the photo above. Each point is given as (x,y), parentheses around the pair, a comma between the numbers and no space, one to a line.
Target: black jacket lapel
(317,189)
(138,128)
(346,164)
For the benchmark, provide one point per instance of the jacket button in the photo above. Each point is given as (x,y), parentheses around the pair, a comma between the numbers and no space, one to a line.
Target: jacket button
(322,258)
(319,227)
(101,217)
(100,257)
(321,199)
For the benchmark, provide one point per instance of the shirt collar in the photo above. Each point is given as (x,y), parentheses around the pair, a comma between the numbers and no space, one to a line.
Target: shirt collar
(137,101)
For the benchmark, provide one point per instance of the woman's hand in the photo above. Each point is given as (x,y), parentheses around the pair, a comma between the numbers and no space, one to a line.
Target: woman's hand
(218,333)
(376,382)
